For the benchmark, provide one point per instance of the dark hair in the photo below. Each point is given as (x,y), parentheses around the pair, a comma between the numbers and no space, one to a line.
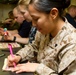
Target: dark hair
(47,5)
(10,14)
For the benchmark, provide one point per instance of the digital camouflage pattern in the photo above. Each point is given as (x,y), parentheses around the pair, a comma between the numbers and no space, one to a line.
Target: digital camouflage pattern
(57,56)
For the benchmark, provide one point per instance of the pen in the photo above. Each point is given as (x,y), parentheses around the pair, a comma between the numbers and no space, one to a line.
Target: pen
(11,52)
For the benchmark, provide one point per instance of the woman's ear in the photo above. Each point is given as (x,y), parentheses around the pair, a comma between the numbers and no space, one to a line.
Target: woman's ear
(54,13)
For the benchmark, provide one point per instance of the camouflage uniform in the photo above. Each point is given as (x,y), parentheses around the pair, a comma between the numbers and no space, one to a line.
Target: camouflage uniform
(56,55)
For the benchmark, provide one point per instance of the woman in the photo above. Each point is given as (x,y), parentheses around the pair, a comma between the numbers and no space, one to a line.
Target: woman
(10,23)
(22,8)
(70,15)
(55,43)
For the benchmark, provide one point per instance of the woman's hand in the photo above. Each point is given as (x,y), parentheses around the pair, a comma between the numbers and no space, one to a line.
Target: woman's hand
(8,21)
(27,67)
(8,37)
(11,59)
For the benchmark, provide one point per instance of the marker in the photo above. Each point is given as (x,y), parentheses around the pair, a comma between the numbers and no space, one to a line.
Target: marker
(11,52)
(5,31)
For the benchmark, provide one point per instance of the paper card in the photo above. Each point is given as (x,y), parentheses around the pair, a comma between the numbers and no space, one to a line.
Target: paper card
(5,66)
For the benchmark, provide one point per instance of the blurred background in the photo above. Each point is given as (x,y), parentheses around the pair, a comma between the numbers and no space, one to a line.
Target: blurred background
(7,5)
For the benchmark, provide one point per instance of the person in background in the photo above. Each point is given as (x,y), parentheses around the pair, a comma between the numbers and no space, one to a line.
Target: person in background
(22,8)
(71,14)
(9,22)
(24,28)
(55,42)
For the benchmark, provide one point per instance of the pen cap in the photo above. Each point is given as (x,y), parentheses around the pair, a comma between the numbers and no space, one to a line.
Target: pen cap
(5,29)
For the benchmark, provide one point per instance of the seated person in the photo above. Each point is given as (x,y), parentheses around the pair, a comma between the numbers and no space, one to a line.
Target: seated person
(71,14)
(24,28)
(55,42)
(10,23)
(22,8)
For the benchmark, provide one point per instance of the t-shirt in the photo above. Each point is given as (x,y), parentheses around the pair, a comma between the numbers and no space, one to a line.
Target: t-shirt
(71,20)
(24,29)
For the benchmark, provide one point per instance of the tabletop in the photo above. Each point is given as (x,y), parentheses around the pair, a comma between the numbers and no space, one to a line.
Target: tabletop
(3,55)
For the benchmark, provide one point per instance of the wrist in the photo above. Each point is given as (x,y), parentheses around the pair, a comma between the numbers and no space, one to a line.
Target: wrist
(14,38)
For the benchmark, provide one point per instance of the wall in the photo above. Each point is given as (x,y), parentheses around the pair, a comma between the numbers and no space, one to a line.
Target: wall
(73,2)
(4,9)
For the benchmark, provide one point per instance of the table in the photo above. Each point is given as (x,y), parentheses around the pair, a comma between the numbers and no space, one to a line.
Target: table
(2,62)
(4,45)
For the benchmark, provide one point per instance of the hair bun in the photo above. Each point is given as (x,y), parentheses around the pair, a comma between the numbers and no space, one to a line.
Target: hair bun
(66,3)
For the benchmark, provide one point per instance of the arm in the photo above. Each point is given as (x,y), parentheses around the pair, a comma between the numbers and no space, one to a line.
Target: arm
(13,32)
(49,64)
(68,60)
(27,53)
(66,66)
(17,35)
(20,40)
(55,60)
(66,56)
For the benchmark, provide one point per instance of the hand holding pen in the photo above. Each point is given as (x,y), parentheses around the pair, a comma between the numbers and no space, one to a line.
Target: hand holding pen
(11,52)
